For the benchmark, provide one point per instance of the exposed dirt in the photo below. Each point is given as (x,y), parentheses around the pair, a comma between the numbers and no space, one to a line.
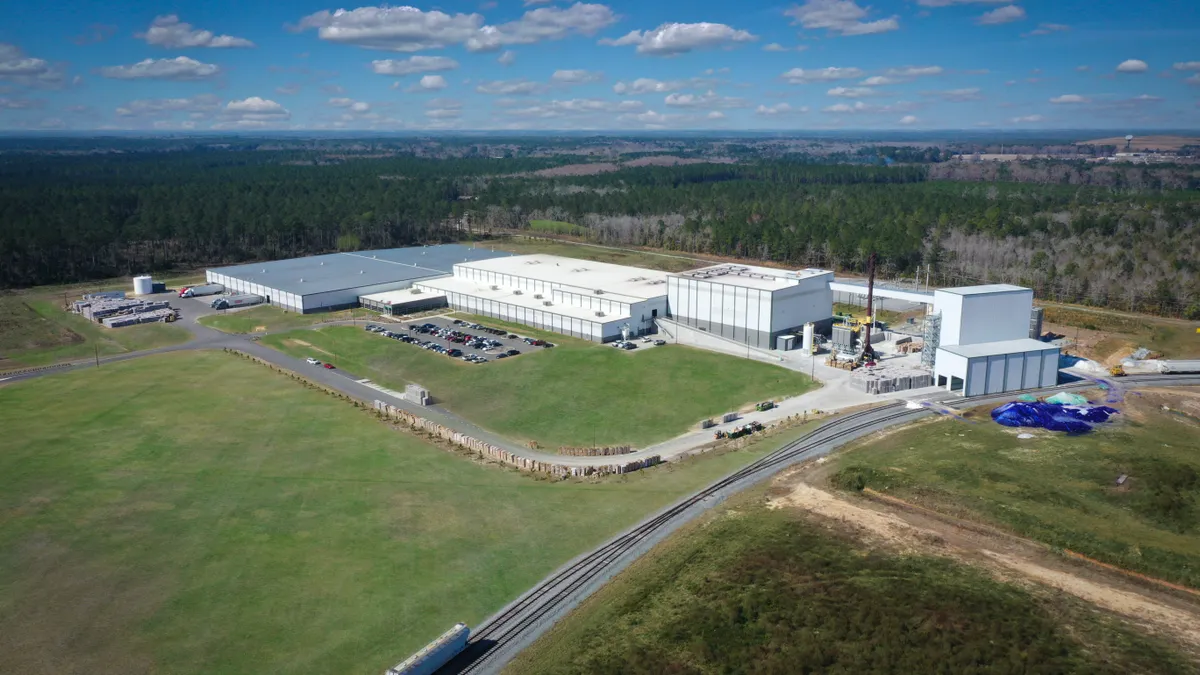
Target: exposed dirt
(1171,614)
(1145,142)
(302,343)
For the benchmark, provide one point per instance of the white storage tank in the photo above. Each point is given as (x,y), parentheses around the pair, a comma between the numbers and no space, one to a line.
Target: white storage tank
(807,344)
(143,285)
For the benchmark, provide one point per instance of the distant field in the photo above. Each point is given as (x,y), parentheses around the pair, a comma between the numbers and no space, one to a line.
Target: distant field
(1056,488)
(859,312)
(269,318)
(556,227)
(197,513)
(39,332)
(1146,142)
(752,590)
(574,394)
(666,262)
(1174,338)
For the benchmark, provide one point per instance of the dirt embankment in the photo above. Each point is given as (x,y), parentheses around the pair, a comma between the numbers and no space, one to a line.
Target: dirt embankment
(891,524)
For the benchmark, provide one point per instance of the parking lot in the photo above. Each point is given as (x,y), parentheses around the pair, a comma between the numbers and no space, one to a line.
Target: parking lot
(471,342)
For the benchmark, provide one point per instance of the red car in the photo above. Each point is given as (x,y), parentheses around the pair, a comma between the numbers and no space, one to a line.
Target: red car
(329,366)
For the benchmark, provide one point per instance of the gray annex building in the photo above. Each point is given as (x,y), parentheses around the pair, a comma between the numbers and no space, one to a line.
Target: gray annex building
(337,280)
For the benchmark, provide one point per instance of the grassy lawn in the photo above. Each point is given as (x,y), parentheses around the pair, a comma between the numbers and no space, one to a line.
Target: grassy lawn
(197,513)
(38,332)
(269,318)
(555,227)
(666,262)
(752,590)
(562,396)
(1056,488)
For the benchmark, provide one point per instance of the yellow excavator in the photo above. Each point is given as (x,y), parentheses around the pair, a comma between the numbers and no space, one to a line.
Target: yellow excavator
(1117,371)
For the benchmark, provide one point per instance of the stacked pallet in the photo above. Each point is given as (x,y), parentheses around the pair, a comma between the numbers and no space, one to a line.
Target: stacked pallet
(889,379)
(152,316)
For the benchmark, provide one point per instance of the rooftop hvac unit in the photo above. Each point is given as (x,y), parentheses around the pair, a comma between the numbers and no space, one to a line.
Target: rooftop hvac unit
(599,313)
(517,292)
(598,292)
(547,303)
(495,287)
(538,296)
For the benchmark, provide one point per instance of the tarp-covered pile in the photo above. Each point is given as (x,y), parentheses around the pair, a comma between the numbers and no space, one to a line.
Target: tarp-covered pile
(1073,419)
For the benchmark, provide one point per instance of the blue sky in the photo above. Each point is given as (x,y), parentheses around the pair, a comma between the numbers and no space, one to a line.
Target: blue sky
(539,64)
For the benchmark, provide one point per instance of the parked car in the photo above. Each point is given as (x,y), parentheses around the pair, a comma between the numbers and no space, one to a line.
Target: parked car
(629,345)
(647,339)
(659,343)
(619,344)
(312,362)
(328,366)
(547,344)
(454,353)
(513,336)
(513,352)
(502,355)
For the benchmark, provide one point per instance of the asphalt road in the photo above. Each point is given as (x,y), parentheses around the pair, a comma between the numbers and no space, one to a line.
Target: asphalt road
(499,639)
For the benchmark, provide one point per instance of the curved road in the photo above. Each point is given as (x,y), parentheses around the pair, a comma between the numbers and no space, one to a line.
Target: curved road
(500,638)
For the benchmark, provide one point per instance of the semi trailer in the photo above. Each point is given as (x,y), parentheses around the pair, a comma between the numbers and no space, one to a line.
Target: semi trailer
(205,289)
(237,300)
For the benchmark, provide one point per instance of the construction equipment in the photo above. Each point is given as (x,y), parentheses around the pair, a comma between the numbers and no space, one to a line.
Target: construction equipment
(1117,371)
(738,432)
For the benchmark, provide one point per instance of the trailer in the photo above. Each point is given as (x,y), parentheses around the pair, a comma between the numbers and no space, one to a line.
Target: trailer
(237,300)
(435,654)
(204,289)
(1176,367)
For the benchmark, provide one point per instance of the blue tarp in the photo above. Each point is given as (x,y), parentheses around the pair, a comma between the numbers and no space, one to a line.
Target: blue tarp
(1073,419)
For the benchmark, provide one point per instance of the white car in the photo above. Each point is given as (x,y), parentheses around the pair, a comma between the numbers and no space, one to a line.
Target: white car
(312,362)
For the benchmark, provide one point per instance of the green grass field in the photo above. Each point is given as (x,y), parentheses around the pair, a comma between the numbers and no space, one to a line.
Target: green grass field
(1056,488)
(269,318)
(667,262)
(198,513)
(38,332)
(556,227)
(1175,339)
(572,395)
(859,312)
(752,590)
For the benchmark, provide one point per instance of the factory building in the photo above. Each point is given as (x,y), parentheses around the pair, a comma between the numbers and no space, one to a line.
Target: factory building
(984,345)
(748,304)
(337,280)
(581,298)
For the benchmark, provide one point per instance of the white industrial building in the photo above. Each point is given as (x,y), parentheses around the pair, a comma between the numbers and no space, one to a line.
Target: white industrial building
(582,298)
(984,345)
(337,280)
(748,304)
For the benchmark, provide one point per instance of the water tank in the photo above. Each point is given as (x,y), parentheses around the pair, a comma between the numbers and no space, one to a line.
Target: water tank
(807,344)
(143,285)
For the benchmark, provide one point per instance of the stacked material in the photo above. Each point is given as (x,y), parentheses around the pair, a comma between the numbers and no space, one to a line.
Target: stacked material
(134,318)
(909,347)
(99,309)
(887,379)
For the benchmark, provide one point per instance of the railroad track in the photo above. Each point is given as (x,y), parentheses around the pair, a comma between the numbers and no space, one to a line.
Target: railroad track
(501,637)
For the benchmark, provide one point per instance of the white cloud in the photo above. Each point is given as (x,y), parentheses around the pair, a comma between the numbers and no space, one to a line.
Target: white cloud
(1083,69)
(646,85)
(201,103)
(20,103)
(546,23)
(413,64)
(851,92)
(908,119)
(288,89)
(914,71)
(576,76)
(774,47)
(443,103)
(574,107)
(1027,119)
(443,113)
(840,17)
(398,29)
(507,58)
(178,68)
(711,99)
(1006,14)
(1070,98)
(947,3)
(779,109)
(428,83)
(1133,66)
(653,120)
(252,113)
(802,76)
(880,80)
(15,66)
(519,87)
(1187,65)
(1194,79)
(956,95)
(1046,29)
(860,107)
(168,31)
(716,115)
(671,39)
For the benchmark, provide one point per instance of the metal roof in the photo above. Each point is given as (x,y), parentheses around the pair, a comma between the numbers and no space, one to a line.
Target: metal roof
(754,276)
(634,283)
(342,271)
(1018,346)
(984,289)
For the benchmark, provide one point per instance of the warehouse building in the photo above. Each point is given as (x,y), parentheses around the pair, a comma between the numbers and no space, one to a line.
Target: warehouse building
(337,280)
(748,304)
(984,345)
(582,298)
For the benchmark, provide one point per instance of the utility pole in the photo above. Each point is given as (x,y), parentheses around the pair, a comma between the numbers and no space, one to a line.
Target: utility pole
(97,347)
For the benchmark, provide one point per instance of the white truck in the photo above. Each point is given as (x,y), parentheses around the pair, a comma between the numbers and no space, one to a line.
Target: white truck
(238,300)
(204,289)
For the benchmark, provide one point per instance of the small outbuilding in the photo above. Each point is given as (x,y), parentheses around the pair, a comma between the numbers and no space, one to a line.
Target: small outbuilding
(997,367)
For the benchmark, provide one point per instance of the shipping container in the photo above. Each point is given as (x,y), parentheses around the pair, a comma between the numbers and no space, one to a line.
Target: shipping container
(435,654)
